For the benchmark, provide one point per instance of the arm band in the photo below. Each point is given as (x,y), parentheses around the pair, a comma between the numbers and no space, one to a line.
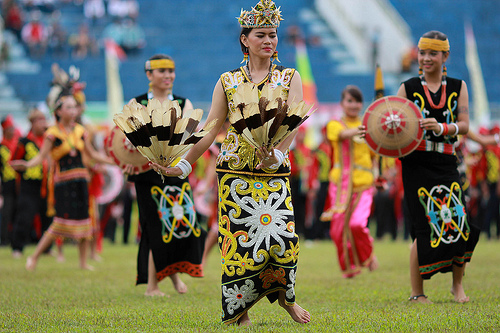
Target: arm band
(280,156)
(185,167)
(441,130)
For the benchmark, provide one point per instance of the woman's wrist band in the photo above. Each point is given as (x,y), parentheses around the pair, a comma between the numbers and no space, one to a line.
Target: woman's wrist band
(281,158)
(444,129)
(497,138)
(185,167)
(441,130)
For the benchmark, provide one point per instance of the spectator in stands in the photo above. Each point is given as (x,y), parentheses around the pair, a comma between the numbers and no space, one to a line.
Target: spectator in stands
(118,9)
(133,9)
(133,38)
(13,17)
(83,44)
(94,11)
(114,31)
(35,36)
(58,37)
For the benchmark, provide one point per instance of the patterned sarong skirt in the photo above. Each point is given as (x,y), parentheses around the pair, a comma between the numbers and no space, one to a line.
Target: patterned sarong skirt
(257,239)
(437,212)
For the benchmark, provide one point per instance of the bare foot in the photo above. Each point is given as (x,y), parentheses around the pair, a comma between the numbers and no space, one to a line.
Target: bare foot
(295,311)
(87,267)
(178,284)
(373,264)
(155,292)
(60,258)
(460,296)
(419,299)
(244,320)
(17,254)
(96,257)
(30,264)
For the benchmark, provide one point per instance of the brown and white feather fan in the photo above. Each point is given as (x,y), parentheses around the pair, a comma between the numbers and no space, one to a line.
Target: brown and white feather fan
(161,132)
(267,120)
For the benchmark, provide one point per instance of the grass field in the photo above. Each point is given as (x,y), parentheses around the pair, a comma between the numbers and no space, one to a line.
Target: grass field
(58,297)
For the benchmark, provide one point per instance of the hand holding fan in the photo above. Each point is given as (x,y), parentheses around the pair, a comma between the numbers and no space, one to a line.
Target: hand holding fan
(268,120)
(161,132)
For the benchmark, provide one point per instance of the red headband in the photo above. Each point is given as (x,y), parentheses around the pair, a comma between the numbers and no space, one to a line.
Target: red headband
(7,122)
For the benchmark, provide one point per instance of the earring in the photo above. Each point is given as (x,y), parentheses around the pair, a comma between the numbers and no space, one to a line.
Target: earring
(444,70)
(275,57)
(420,71)
(245,56)
(150,86)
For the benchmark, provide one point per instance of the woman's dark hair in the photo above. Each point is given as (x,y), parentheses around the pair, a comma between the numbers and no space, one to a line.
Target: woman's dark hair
(59,102)
(434,34)
(354,91)
(159,56)
(246,32)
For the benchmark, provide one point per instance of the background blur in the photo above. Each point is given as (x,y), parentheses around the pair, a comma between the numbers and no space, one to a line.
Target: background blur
(344,40)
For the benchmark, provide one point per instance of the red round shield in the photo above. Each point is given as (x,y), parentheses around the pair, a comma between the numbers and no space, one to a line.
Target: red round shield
(393,126)
(123,151)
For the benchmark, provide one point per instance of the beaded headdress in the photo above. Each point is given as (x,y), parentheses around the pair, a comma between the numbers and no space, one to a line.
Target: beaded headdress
(264,15)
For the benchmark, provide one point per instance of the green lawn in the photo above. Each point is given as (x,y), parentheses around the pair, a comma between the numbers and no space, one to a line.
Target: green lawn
(58,297)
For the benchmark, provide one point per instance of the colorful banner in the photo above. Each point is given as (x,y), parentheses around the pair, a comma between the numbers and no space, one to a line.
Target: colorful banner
(480,104)
(303,65)
(113,55)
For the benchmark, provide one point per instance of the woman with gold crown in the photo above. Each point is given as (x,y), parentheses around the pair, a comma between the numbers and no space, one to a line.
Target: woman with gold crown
(257,239)
(66,141)
(172,239)
(443,236)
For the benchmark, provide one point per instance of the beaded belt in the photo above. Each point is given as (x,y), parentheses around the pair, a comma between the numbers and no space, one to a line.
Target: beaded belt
(440,147)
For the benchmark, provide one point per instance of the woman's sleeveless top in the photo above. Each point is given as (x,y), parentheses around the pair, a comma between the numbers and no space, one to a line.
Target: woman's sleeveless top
(447,114)
(236,154)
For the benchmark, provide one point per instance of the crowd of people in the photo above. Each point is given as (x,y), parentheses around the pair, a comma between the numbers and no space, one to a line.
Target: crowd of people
(257,203)
(38,26)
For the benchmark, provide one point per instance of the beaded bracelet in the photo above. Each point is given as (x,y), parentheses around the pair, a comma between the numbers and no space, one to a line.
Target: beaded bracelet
(185,167)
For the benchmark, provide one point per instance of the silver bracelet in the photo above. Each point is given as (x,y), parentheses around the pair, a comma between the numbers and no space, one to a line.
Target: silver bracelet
(281,158)
(456,127)
(441,130)
(185,167)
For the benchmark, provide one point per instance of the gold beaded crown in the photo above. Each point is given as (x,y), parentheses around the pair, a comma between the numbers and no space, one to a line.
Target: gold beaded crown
(264,15)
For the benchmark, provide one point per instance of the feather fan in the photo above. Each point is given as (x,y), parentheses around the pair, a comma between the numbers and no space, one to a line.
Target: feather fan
(161,132)
(268,120)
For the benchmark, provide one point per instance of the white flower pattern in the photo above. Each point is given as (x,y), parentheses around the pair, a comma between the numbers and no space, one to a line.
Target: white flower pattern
(265,219)
(236,297)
